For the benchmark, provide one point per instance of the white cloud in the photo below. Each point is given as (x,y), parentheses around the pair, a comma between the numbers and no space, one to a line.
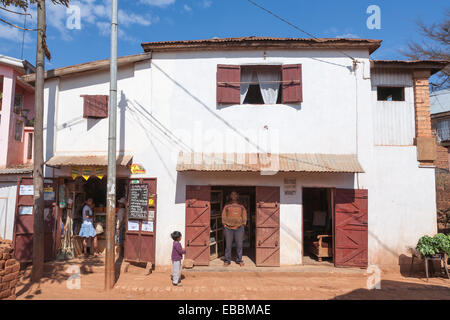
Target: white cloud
(187,8)
(158,3)
(347,35)
(13,34)
(206,3)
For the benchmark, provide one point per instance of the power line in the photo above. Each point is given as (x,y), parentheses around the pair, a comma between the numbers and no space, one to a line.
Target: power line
(293,25)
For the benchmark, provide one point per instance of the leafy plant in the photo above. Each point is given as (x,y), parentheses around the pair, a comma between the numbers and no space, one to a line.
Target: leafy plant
(426,246)
(442,242)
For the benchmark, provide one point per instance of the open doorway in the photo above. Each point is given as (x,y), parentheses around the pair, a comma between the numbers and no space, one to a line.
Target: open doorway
(220,196)
(317,226)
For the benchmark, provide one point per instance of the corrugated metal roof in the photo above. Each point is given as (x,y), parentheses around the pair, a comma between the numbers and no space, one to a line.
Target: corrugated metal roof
(254,162)
(56,161)
(440,101)
(252,42)
(16,170)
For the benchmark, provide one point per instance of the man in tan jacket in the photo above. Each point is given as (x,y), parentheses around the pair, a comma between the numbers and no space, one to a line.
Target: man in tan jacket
(234,219)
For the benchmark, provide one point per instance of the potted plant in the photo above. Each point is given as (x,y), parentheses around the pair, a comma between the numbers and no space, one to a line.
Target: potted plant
(431,246)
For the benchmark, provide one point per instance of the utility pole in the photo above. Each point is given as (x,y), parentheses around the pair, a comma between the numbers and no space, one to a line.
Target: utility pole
(111,185)
(38,180)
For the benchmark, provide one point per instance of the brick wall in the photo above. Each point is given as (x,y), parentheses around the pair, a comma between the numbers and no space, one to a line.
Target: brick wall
(9,271)
(442,157)
(424,136)
(443,199)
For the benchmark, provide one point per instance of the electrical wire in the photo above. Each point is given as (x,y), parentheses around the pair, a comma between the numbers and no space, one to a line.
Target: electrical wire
(294,26)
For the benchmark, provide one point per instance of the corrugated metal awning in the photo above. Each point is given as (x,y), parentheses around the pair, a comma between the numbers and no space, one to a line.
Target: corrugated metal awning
(283,162)
(57,161)
(16,170)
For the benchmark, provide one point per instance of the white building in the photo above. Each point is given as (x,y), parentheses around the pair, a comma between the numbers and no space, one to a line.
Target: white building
(318,140)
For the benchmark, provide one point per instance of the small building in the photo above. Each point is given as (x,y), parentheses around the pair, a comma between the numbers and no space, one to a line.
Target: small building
(440,121)
(16,135)
(331,152)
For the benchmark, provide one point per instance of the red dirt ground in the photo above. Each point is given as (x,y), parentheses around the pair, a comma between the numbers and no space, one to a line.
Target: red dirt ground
(307,283)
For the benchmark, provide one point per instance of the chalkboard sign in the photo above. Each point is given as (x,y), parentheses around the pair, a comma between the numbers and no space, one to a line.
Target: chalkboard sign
(138,201)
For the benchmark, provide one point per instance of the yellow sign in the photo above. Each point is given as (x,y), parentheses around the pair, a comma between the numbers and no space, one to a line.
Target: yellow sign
(86,172)
(100,172)
(75,171)
(137,169)
(150,202)
(48,189)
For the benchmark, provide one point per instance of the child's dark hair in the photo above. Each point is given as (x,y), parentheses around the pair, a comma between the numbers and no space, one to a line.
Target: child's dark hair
(175,235)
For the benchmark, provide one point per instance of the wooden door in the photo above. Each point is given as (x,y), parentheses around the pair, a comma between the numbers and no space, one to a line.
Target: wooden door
(350,228)
(140,245)
(268,226)
(24,219)
(198,212)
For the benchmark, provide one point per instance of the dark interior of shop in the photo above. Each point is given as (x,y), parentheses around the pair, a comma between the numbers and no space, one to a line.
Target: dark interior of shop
(220,196)
(317,224)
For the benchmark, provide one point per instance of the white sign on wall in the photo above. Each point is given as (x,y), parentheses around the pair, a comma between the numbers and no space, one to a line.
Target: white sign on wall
(26,190)
(290,186)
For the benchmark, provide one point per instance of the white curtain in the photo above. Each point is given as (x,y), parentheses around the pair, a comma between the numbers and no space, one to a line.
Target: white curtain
(247,76)
(269,90)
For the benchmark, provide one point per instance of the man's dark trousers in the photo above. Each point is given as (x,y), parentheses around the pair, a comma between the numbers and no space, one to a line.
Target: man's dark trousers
(238,236)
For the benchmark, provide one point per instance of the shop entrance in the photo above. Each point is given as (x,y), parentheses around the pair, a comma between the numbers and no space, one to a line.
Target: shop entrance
(204,237)
(317,226)
(220,196)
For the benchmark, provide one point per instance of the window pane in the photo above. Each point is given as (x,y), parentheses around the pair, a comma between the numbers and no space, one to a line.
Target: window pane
(390,93)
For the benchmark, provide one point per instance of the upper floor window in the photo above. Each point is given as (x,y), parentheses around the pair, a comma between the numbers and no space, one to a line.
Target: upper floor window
(18,130)
(443,130)
(18,103)
(95,106)
(390,93)
(259,84)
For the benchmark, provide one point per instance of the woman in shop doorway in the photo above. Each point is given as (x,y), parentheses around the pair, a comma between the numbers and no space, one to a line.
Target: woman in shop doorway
(234,219)
(87,230)
(120,223)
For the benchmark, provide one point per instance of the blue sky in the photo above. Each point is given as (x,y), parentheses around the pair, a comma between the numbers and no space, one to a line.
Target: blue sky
(158,20)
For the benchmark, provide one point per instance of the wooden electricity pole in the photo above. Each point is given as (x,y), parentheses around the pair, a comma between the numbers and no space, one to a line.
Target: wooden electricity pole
(38,180)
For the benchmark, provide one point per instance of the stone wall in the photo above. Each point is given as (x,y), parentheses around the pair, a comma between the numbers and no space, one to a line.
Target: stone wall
(9,271)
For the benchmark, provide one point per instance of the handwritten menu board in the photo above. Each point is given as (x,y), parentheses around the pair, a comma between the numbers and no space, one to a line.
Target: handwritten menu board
(138,201)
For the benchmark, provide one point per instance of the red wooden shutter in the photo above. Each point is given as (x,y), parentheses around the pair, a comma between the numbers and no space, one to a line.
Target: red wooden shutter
(198,224)
(292,83)
(350,228)
(268,226)
(228,84)
(95,106)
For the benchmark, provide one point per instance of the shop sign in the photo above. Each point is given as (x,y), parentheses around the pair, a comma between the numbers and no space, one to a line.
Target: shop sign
(290,186)
(138,201)
(151,215)
(147,226)
(133,225)
(26,210)
(26,190)
(49,194)
(137,169)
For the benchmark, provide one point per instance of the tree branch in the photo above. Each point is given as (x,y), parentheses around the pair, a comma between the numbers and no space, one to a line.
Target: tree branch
(13,25)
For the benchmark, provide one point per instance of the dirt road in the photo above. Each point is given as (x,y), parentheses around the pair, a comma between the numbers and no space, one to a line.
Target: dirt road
(307,284)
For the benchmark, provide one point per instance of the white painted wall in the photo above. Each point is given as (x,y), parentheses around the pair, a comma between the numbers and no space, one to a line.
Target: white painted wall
(169,104)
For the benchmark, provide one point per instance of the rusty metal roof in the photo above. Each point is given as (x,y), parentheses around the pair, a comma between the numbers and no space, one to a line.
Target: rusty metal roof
(17,170)
(57,161)
(432,65)
(254,162)
(256,42)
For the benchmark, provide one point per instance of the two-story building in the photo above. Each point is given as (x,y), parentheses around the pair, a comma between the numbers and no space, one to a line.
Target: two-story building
(16,135)
(328,149)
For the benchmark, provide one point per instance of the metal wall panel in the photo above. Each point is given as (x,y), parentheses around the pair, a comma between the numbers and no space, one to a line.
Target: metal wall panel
(393,121)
